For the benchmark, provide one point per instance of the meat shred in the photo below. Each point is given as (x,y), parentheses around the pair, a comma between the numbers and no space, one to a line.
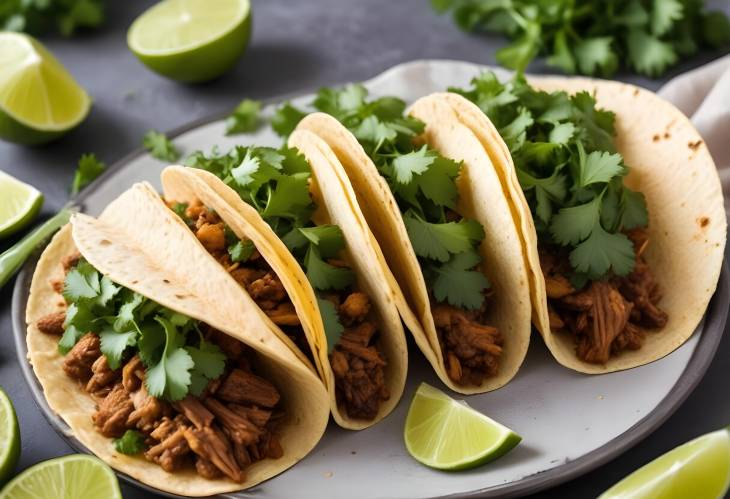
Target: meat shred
(606,317)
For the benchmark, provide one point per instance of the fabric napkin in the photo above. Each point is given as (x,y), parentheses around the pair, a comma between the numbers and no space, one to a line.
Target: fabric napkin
(703,94)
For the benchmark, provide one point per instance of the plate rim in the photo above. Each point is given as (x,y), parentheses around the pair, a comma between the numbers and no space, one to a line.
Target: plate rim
(713,328)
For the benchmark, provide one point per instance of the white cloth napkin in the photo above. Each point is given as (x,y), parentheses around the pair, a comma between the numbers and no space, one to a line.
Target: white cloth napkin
(703,94)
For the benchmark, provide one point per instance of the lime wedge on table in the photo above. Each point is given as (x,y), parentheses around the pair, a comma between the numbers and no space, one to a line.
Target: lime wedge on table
(699,469)
(191,40)
(447,434)
(19,204)
(9,438)
(39,99)
(69,477)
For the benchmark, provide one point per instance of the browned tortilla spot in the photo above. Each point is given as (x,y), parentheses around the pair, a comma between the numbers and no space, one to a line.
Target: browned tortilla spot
(703,221)
(694,145)
(656,138)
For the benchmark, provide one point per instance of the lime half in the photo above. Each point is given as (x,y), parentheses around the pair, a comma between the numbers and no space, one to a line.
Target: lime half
(19,204)
(447,434)
(39,99)
(699,469)
(68,477)
(9,438)
(191,40)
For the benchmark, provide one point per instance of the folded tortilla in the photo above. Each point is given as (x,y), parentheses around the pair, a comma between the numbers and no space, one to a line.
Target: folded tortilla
(672,167)
(142,245)
(373,277)
(480,198)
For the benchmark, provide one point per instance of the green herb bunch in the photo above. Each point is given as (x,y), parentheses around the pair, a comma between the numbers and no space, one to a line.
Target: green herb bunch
(276,183)
(593,36)
(38,16)
(177,358)
(423,182)
(570,172)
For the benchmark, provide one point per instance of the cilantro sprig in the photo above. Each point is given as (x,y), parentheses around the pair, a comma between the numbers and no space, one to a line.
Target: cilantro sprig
(276,183)
(39,16)
(177,358)
(567,166)
(592,36)
(244,118)
(422,181)
(89,167)
(160,147)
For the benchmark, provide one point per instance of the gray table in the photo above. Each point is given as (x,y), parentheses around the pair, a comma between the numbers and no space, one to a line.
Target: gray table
(296,46)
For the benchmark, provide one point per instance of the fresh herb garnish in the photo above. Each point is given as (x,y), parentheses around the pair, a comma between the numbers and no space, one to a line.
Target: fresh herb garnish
(591,37)
(160,146)
(567,165)
(245,118)
(178,359)
(131,443)
(39,16)
(88,169)
(276,183)
(423,183)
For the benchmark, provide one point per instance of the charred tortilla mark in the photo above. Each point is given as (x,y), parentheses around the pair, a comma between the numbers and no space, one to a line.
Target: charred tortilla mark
(666,135)
(179,296)
(105,242)
(656,138)
(703,221)
(166,281)
(636,92)
(694,145)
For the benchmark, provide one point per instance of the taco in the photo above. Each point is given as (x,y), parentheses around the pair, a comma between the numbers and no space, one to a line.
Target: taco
(158,362)
(447,234)
(620,207)
(277,221)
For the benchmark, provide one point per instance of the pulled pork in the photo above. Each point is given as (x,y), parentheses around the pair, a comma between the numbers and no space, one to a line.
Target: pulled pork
(471,349)
(357,362)
(606,317)
(230,426)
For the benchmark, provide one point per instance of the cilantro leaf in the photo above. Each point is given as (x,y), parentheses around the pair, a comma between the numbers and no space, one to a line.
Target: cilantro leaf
(572,225)
(412,163)
(633,209)
(241,251)
(170,377)
(439,240)
(209,362)
(599,167)
(456,284)
(595,55)
(89,167)
(324,276)
(81,282)
(663,15)
(131,443)
(114,344)
(648,54)
(40,16)
(602,252)
(328,239)
(333,329)
(243,173)
(285,119)
(245,118)
(160,147)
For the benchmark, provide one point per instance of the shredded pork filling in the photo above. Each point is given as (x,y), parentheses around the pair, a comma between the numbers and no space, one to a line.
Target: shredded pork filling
(608,316)
(357,362)
(230,426)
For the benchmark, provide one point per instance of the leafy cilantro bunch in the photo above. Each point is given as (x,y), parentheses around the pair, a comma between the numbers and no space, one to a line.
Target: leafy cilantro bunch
(276,183)
(562,147)
(38,16)
(423,182)
(592,36)
(177,358)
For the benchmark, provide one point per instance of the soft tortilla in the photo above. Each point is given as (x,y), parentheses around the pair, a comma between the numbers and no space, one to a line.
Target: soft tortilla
(142,245)
(672,167)
(188,184)
(481,197)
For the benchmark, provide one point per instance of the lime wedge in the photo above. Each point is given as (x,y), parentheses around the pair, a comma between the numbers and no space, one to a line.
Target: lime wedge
(447,434)
(19,204)
(9,438)
(188,40)
(699,469)
(69,477)
(39,99)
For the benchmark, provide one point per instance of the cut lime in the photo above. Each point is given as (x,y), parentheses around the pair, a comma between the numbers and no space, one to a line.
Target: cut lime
(9,438)
(69,477)
(191,40)
(699,469)
(19,204)
(447,434)
(39,99)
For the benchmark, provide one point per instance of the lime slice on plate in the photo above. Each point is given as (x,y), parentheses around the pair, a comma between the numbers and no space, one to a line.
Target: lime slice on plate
(39,99)
(19,204)
(699,469)
(9,438)
(190,40)
(447,434)
(69,477)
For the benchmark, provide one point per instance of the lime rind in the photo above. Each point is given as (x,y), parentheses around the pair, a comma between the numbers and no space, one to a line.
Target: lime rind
(69,477)
(9,438)
(447,434)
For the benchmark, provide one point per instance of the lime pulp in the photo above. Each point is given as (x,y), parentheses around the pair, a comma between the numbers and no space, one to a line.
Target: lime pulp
(19,204)
(9,438)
